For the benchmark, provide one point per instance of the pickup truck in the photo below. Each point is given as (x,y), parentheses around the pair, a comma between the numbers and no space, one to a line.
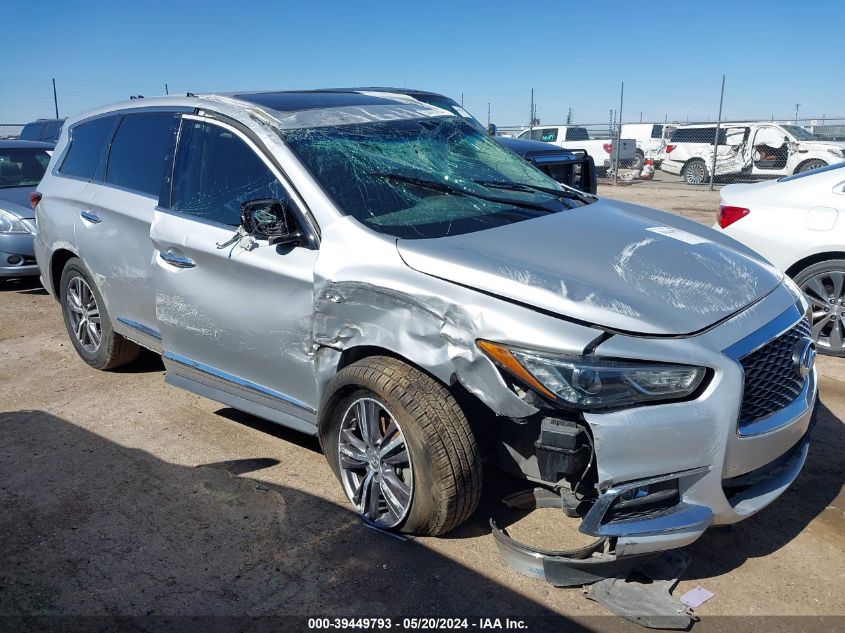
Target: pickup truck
(575,137)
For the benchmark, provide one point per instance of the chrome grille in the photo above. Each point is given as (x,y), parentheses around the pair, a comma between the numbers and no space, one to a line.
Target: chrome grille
(771,382)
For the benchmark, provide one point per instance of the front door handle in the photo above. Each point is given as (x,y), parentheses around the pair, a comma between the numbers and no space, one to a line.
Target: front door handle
(177,261)
(90,216)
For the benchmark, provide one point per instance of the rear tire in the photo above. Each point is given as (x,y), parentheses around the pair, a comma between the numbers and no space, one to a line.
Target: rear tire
(87,322)
(443,470)
(695,172)
(824,285)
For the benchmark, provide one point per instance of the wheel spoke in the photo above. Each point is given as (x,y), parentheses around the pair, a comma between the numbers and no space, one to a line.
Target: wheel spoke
(818,327)
(373,496)
(815,286)
(351,457)
(80,328)
(396,493)
(391,446)
(93,333)
(359,497)
(836,335)
(837,279)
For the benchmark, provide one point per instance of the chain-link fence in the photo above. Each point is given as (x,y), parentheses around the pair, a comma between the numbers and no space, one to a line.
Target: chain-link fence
(704,153)
(10,130)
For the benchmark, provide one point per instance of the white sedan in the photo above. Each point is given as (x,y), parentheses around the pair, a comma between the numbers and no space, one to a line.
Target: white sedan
(798,224)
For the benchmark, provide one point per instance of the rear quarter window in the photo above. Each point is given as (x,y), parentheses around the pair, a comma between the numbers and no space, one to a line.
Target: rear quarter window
(139,151)
(577,134)
(549,135)
(88,142)
(694,135)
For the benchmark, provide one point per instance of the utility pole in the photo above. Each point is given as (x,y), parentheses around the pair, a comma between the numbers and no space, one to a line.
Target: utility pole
(166,91)
(797,105)
(462,99)
(488,114)
(55,98)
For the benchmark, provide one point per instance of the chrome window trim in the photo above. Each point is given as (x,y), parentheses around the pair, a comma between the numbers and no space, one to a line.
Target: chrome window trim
(237,380)
(301,210)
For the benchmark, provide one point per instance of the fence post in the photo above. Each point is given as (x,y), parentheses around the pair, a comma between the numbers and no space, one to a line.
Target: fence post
(716,140)
(618,137)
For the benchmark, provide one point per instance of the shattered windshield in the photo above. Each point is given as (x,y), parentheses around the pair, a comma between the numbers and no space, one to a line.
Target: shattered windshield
(426,178)
(800,133)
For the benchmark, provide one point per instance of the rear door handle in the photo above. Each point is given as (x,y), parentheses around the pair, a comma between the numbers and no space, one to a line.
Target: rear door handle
(177,261)
(90,216)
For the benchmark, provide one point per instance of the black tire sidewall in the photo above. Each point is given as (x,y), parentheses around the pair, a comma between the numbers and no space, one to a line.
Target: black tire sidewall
(805,275)
(100,358)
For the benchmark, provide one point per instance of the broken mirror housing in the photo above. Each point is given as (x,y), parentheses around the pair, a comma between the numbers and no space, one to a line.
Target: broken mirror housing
(592,382)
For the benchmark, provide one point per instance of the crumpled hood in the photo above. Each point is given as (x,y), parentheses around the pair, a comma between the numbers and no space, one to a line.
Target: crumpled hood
(610,263)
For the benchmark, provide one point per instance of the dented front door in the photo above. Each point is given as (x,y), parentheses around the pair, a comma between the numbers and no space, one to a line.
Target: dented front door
(235,321)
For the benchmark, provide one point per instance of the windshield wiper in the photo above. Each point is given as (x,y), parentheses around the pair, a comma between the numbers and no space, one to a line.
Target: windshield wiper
(458,191)
(574,194)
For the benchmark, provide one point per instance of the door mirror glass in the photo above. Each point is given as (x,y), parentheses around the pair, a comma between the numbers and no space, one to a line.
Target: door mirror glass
(271,219)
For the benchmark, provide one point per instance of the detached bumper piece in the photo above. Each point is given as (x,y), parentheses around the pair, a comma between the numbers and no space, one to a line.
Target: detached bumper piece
(614,579)
(572,568)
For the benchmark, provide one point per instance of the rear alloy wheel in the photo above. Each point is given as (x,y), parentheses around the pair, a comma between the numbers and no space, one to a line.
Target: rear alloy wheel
(810,164)
(695,172)
(824,286)
(87,322)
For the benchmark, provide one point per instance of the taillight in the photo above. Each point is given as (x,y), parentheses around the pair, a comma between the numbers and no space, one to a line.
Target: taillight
(669,148)
(728,215)
(34,199)
(608,147)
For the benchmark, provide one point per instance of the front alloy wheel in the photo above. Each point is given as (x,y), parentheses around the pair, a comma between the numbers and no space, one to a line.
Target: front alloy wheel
(375,465)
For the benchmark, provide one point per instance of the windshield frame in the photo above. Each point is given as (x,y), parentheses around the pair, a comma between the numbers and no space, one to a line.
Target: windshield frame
(788,128)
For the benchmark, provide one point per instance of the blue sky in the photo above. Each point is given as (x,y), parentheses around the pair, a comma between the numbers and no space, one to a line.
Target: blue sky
(574,54)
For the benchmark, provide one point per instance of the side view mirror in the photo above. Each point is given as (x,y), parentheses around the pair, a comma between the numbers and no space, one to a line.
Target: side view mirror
(272,220)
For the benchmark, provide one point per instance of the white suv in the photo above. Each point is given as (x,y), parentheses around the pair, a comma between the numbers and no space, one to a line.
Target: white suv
(755,149)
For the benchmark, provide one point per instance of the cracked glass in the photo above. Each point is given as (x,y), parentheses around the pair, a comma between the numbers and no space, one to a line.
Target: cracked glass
(427,177)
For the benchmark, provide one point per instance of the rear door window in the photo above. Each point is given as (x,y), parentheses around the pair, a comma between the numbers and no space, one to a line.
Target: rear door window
(694,135)
(140,150)
(577,134)
(216,172)
(87,147)
(549,135)
(656,131)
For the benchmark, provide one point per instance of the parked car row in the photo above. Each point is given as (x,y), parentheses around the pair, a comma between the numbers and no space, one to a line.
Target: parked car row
(755,150)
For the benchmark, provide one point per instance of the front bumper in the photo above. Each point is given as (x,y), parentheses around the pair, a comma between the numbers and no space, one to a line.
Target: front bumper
(17,257)
(697,446)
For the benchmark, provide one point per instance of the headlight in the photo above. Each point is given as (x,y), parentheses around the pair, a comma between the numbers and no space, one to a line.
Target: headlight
(10,223)
(590,382)
(837,152)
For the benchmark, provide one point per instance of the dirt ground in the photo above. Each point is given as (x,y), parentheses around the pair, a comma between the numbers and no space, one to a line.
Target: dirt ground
(120,495)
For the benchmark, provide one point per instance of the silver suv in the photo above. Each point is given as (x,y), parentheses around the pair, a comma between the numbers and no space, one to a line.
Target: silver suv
(369,268)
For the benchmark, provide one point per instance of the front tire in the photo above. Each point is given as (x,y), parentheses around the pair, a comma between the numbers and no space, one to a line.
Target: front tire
(824,285)
(695,172)
(401,446)
(807,165)
(87,322)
